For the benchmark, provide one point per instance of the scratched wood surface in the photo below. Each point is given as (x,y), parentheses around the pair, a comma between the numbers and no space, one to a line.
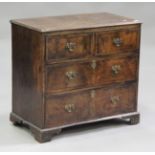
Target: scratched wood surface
(72,22)
(90,104)
(84,75)
(74,69)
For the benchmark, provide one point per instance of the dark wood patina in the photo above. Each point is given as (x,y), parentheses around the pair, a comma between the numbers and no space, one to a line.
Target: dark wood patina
(84,71)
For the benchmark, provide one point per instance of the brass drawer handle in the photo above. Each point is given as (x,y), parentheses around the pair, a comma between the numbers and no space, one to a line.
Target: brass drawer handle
(115,99)
(71,75)
(93,64)
(116,69)
(117,42)
(69,107)
(70,46)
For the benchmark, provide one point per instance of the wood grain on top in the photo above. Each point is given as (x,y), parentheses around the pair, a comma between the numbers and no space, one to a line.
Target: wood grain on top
(71,22)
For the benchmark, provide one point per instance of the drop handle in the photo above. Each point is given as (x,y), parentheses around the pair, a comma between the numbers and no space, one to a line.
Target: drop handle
(115,99)
(71,75)
(116,69)
(70,46)
(69,107)
(117,42)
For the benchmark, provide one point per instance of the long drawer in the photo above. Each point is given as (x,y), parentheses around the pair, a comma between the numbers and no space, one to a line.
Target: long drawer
(68,76)
(87,105)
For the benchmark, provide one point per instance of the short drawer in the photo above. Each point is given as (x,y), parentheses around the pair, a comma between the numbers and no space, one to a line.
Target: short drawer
(68,46)
(82,106)
(75,75)
(119,40)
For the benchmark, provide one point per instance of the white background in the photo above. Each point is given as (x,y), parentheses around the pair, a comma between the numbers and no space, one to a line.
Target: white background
(97,137)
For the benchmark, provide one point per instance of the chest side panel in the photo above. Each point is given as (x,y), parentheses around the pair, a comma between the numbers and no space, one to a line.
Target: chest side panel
(27,61)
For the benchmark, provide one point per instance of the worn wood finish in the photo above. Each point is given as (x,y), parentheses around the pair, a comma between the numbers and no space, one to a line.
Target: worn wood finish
(74,70)
(89,44)
(69,46)
(86,105)
(73,22)
(45,135)
(87,76)
(116,41)
(27,63)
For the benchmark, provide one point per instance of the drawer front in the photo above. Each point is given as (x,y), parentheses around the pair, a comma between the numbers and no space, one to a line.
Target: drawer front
(93,73)
(69,46)
(86,105)
(67,109)
(116,41)
(115,101)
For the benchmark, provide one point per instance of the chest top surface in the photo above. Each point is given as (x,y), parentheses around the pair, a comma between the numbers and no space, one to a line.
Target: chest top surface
(72,22)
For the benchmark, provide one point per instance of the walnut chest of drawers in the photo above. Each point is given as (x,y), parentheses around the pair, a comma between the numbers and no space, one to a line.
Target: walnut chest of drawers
(72,70)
